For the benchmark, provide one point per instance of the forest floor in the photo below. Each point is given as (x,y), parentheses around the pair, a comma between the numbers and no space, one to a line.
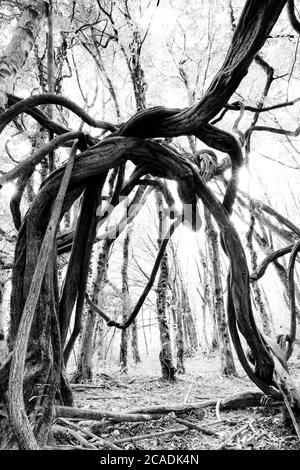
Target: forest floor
(259,428)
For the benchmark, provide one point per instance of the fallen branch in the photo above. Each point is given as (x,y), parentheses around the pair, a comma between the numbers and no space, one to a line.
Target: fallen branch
(188,393)
(97,415)
(67,431)
(237,401)
(84,386)
(64,447)
(196,427)
(173,408)
(254,439)
(218,409)
(97,440)
(150,436)
(232,436)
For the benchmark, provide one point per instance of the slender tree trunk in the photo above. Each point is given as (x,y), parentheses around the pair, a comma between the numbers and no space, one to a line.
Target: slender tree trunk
(204,328)
(135,343)
(282,275)
(50,75)
(176,309)
(227,362)
(190,328)
(188,321)
(136,71)
(255,286)
(165,355)
(211,309)
(42,137)
(179,341)
(30,193)
(205,298)
(208,295)
(87,347)
(144,333)
(3,345)
(20,46)
(100,330)
(125,302)
(85,364)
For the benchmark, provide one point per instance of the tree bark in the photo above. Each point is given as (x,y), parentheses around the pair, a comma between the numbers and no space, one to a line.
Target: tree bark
(256,289)
(179,341)
(50,75)
(20,46)
(17,397)
(227,362)
(188,321)
(3,345)
(165,355)
(135,343)
(85,366)
(125,302)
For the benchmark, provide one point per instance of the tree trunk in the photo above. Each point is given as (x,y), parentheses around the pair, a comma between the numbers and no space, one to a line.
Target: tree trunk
(34,327)
(135,343)
(20,46)
(99,337)
(188,321)
(165,355)
(125,301)
(41,139)
(211,308)
(204,327)
(256,289)
(205,298)
(3,345)
(85,367)
(227,362)
(50,75)
(179,341)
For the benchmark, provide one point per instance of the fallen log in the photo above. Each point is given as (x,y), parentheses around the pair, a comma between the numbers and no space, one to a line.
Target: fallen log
(241,400)
(173,408)
(237,401)
(98,415)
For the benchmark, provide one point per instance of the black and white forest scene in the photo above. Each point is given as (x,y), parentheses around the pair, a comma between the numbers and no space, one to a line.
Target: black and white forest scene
(149,228)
